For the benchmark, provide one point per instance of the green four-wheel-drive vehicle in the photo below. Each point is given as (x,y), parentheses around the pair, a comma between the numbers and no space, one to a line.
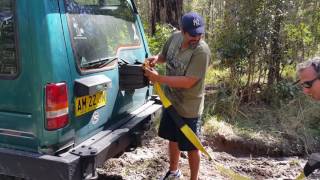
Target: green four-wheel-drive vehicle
(72,90)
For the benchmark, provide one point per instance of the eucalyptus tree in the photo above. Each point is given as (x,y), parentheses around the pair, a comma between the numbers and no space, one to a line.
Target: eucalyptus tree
(165,11)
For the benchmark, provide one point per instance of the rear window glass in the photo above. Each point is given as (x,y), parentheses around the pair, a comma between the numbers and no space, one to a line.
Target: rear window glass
(100,29)
(8,61)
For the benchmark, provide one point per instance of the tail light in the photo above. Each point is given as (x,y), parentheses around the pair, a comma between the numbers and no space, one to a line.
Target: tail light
(57,114)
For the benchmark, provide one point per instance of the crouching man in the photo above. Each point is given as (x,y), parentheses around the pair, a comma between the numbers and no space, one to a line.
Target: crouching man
(309,79)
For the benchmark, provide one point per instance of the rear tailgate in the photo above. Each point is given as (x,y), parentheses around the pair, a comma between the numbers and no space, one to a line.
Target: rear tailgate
(101,35)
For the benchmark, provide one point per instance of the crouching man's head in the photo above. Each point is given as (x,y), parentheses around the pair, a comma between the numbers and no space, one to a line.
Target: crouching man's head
(309,75)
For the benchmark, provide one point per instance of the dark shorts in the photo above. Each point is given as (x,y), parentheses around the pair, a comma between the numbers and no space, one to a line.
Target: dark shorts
(168,130)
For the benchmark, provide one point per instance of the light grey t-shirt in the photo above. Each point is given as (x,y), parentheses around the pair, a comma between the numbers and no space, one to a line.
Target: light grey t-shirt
(187,62)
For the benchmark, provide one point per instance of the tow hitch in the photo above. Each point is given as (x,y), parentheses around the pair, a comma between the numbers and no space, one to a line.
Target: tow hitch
(87,157)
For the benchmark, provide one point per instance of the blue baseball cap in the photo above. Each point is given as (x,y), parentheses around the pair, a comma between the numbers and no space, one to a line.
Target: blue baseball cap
(192,23)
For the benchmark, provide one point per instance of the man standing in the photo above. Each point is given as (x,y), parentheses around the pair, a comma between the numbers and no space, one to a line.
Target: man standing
(187,57)
(309,79)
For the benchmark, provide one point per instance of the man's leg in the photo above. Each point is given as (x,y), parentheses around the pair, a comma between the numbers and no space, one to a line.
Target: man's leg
(194,163)
(174,155)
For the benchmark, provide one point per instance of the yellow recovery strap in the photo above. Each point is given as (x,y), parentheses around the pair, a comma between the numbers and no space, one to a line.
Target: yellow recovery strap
(185,128)
(192,137)
(301,176)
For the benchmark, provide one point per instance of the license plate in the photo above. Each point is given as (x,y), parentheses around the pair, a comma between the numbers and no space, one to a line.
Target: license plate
(89,103)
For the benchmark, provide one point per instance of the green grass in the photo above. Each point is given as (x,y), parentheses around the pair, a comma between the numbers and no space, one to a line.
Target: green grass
(293,118)
(215,75)
(297,121)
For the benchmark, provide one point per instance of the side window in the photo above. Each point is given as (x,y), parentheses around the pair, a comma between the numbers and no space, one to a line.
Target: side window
(8,60)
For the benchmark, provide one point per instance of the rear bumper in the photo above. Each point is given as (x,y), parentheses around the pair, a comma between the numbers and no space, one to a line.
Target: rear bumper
(81,161)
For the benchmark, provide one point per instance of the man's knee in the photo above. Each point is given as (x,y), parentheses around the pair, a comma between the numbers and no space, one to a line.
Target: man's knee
(194,153)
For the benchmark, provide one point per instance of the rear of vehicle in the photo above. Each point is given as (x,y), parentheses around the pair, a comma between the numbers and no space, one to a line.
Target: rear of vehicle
(61,106)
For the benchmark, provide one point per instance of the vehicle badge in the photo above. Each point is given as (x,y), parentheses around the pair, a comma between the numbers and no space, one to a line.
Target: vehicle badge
(95,118)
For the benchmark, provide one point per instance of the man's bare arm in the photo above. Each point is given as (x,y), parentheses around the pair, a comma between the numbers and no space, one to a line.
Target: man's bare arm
(172,81)
(184,82)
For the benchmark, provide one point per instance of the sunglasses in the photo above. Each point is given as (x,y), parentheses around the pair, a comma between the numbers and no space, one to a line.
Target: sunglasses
(308,84)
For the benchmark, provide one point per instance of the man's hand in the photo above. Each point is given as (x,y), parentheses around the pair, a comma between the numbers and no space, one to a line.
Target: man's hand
(151,74)
(151,61)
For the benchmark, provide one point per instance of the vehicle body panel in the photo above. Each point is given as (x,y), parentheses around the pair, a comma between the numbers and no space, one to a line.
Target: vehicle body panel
(45,44)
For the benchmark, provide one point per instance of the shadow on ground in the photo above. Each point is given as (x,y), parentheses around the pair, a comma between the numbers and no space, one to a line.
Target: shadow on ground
(110,177)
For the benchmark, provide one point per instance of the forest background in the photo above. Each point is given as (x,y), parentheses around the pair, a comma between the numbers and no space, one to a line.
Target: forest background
(255,45)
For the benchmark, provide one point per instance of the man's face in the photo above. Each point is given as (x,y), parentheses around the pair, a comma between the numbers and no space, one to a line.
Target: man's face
(192,40)
(310,83)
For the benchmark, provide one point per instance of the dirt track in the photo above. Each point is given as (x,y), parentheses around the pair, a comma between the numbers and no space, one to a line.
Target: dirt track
(151,162)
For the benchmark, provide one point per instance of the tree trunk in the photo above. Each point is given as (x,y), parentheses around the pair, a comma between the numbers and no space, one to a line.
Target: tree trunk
(165,11)
(274,65)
